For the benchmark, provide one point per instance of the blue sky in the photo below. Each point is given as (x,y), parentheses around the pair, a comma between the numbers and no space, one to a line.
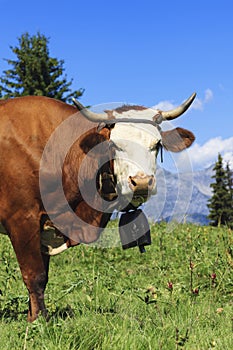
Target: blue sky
(144,52)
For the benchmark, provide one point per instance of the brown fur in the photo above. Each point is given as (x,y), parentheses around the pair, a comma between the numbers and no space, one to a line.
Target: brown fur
(126,108)
(25,127)
(177,140)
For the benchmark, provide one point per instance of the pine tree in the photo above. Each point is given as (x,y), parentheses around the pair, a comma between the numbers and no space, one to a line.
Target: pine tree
(229,184)
(34,72)
(221,200)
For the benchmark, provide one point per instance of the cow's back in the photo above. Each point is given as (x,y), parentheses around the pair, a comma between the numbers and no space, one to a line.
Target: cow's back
(29,121)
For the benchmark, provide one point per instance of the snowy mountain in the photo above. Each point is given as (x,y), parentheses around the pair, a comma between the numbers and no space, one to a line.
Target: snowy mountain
(181,197)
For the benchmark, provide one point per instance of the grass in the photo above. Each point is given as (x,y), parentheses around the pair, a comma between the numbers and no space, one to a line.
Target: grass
(178,295)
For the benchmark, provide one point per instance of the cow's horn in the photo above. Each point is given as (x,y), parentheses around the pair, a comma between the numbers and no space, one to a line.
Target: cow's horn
(93,117)
(174,113)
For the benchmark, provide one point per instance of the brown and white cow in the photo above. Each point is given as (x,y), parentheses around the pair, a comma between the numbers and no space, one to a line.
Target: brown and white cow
(67,170)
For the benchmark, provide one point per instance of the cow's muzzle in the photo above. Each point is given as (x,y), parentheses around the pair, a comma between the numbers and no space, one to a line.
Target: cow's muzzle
(142,186)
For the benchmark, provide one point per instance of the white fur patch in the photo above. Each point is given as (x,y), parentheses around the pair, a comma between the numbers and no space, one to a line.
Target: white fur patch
(51,242)
(136,144)
(54,251)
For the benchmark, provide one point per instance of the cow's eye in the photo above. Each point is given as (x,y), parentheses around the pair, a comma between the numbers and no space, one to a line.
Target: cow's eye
(152,148)
(156,147)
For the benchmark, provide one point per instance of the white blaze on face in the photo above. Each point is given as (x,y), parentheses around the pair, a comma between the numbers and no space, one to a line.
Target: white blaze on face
(136,148)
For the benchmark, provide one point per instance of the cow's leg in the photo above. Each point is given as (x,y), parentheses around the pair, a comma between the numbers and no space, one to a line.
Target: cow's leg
(34,266)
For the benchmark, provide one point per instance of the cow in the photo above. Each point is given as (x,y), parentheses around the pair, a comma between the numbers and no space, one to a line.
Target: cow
(64,169)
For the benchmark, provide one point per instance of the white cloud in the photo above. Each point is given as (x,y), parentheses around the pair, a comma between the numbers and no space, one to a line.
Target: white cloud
(198,103)
(164,106)
(202,156)
(208,95)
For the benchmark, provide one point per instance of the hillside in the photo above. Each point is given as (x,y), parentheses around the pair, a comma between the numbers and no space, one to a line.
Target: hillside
(181,196)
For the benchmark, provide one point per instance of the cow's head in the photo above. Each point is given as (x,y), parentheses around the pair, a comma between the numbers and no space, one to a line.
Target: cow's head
(136,138)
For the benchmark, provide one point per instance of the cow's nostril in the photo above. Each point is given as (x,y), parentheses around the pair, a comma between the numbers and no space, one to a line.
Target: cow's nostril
(150,183)
(133,182)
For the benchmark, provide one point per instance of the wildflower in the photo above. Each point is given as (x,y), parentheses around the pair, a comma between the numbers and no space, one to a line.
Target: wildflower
(170,285)
(191,265)
(196,291)
(213,279)
(219,310)
(150,289)
(213,276)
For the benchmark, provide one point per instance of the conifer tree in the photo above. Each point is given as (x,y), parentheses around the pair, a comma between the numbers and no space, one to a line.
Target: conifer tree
(34,72)
(229,184)
(221,200)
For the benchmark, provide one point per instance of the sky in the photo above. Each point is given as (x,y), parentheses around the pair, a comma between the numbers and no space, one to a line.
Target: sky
(152,53)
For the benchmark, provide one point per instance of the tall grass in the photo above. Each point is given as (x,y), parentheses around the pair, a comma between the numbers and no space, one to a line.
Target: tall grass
(178,295)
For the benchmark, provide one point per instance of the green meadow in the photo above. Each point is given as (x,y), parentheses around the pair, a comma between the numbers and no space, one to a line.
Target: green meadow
(177,295)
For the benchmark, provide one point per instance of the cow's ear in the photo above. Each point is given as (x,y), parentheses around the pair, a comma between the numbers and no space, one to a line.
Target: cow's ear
(90,141)
(93,139)
(105,130)
(177,140)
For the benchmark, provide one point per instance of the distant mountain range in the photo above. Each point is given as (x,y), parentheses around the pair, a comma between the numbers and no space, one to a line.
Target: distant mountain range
(181,197)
